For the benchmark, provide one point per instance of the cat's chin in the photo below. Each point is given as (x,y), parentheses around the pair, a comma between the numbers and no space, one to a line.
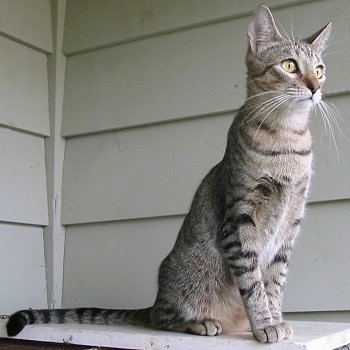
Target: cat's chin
(304,105)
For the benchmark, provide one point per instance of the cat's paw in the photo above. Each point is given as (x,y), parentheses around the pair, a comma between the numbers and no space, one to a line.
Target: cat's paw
(271,334)
(207,327)
(288,330)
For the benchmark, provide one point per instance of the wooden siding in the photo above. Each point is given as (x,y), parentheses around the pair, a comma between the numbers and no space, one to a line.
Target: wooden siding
(22,268)
(115,264)
(23,180)
(318,271)
(28,22)
(89,26)
(25,40)
(23,107)
(155,170)
(183,74)
(147,106)
(124,258)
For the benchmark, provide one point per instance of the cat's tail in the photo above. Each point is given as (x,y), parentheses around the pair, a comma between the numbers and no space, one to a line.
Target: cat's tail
(21,318)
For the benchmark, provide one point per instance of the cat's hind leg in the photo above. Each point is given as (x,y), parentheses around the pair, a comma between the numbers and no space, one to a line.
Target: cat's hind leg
(166,317)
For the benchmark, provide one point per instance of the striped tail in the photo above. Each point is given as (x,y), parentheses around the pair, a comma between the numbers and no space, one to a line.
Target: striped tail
(21,318)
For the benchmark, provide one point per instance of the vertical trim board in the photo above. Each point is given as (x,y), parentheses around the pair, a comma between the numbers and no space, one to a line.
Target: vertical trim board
(54,233)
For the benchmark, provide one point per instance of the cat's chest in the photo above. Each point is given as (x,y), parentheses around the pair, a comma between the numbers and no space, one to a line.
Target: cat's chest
(287,168)
(284,157)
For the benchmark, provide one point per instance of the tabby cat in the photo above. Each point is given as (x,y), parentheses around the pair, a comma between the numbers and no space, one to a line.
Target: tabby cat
(228,267)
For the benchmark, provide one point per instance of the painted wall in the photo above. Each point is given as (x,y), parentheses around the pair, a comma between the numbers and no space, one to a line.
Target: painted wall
(25,41)
(150,90)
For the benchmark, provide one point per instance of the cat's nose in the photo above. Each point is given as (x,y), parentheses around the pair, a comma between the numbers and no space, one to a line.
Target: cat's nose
(313,87)
(312,84)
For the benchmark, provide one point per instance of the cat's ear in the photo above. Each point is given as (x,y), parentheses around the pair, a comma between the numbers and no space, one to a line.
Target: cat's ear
(262,29)
(320,38)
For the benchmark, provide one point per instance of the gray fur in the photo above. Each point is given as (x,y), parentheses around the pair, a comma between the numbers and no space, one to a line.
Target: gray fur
(228,267)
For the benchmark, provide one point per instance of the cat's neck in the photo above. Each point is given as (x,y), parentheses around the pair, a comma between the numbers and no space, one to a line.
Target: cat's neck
(284,117)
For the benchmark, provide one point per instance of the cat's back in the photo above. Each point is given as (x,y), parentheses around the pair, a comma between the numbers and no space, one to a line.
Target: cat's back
(196,243)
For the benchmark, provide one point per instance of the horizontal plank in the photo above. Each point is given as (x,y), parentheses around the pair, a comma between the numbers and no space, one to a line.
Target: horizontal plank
(24,88)
(307,336)
(116,258)
(90,25)
(143,172)
(155,170)
(23,196)
(316,280)
(28,22)
(22,268)
(193,72)
(149,81)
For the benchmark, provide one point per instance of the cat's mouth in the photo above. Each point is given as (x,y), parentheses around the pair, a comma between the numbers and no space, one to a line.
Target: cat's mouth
(312,99)
(317,97)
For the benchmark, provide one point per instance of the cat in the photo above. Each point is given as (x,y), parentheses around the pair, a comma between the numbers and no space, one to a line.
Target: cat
(228,267)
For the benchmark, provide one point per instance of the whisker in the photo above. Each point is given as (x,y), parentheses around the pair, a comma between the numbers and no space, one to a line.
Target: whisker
(321,106)
(318,110)
(334,114)
(284,31)
(291,27)
(264,103)
(331,44)
(261,94)
(326,116)
(331,53)
(294,100)
(332,107)
(291,106)
(275,106)
(266,106)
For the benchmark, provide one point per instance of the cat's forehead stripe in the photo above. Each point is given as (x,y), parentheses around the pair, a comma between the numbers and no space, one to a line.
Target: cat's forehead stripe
(274,52)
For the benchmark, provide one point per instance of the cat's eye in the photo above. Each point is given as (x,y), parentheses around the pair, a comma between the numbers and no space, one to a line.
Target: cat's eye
(319,70)
(290,66)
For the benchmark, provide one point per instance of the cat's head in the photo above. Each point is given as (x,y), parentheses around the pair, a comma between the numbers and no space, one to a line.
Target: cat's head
(292,67)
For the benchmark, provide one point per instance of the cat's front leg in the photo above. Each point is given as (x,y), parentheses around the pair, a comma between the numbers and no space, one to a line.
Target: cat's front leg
(276,273)
(251,287)
(242,256)
(275,279)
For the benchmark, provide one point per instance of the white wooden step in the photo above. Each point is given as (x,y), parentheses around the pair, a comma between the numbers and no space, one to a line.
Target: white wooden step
(308,336)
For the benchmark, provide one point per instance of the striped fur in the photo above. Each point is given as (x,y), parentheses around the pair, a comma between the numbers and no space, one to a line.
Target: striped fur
(228,267)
